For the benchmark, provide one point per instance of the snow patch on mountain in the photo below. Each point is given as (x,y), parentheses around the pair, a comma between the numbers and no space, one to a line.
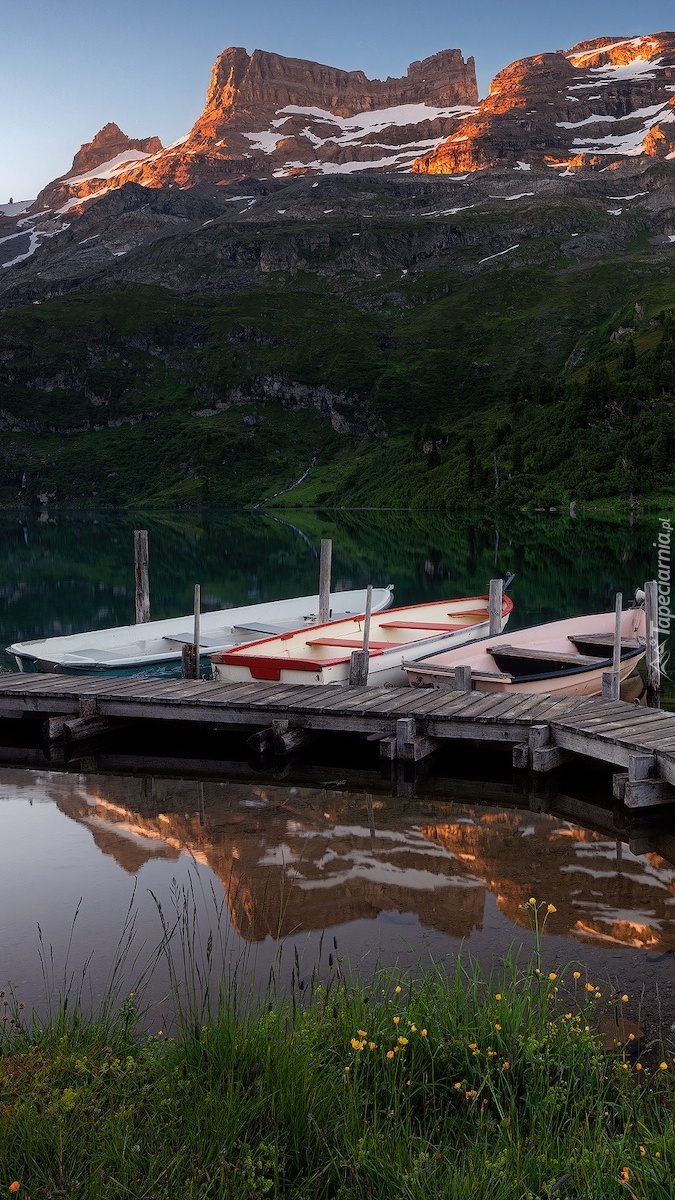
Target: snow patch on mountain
(108,170)
(16,208)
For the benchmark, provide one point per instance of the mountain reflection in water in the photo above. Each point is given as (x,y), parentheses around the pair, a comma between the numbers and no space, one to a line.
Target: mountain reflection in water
(293,859)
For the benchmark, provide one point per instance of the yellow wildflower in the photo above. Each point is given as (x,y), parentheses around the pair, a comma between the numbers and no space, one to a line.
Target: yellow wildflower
(624,1175)
(357,1045)
(552,976)
(14,1187)
(642,1151)
(491,1053)
(498,1027)
(624,999)
(551,908)
(390,1053)
(362,1033)
(473,1045)
(407,1083)
(498,996)
(403,1041)
(413,1029)
(423,1033)
(590,987)
(506,1065)
(598,995)
(396,1020)
(576,974)
(346,1070)
(470,1094)
(663,1066)
(532,900)
(658,1153)
(458,1087)
(397,989)
(638,1066)
(372,1045)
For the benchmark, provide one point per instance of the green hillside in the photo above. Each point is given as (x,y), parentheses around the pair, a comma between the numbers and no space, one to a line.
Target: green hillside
(419,390)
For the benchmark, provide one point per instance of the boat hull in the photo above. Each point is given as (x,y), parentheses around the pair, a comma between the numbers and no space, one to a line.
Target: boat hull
(155,649)
(305,658)
(564,640)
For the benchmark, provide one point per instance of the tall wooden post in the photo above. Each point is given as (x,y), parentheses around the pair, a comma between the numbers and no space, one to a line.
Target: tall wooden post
(198,615)
(142,576)
(495,606)
(324,579)
(653,664)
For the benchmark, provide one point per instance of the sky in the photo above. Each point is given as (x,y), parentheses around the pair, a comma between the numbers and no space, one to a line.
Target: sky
(68,67)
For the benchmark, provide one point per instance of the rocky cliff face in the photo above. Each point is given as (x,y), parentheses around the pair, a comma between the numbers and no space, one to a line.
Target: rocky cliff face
(596,105)
(274,116)
(100,161)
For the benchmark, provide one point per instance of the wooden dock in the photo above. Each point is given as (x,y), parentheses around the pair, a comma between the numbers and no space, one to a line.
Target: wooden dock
(409,723)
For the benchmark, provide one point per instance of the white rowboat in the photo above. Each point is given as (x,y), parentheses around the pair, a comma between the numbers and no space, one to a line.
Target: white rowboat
(323,654)
(156,648)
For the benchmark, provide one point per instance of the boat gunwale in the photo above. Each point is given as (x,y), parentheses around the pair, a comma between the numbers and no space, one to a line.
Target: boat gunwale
(237,656)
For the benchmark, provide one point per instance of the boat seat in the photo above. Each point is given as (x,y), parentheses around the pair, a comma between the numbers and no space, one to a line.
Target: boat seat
(205,640)
(349,643)
(604,641)
(433,625)
(530,654)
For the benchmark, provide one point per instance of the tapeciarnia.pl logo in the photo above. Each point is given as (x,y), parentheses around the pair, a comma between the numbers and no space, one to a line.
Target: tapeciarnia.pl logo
(663,579)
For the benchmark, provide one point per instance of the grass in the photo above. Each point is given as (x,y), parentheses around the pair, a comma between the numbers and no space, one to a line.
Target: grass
(463,1085)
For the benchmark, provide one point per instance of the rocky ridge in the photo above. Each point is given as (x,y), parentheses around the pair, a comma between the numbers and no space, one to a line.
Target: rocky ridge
(597,105)
(274,116)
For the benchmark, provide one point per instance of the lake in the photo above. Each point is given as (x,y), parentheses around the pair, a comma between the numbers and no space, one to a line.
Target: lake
(395,869)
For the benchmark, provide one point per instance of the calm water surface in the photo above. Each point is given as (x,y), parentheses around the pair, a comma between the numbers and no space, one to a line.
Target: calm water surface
(394,871)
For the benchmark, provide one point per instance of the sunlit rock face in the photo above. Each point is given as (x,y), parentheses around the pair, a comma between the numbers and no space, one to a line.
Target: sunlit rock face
(101,160)
(597,105)
(267,115)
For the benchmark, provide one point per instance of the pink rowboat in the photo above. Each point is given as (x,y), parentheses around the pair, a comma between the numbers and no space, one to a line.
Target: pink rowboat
(566,658)
(322,654)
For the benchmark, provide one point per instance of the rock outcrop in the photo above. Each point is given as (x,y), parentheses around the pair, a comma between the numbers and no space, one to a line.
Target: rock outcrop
(267,115)
(104,158)
(595,105)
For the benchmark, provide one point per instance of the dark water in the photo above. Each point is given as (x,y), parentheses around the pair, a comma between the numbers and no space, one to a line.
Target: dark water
(395,870)
(72,572)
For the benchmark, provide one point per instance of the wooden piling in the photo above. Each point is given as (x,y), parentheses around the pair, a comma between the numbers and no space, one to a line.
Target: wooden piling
(190,661)
(495,605)
(653,664)
(360,659)
(142,576)
(324,579)
(611,680)
(198,621)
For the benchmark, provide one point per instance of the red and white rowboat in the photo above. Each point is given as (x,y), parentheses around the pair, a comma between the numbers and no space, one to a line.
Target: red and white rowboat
(322,654)
(565,658)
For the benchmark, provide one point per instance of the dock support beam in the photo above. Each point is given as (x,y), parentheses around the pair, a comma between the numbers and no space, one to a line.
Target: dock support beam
(407,744)
(638,787)
(538,754)
(141,571)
